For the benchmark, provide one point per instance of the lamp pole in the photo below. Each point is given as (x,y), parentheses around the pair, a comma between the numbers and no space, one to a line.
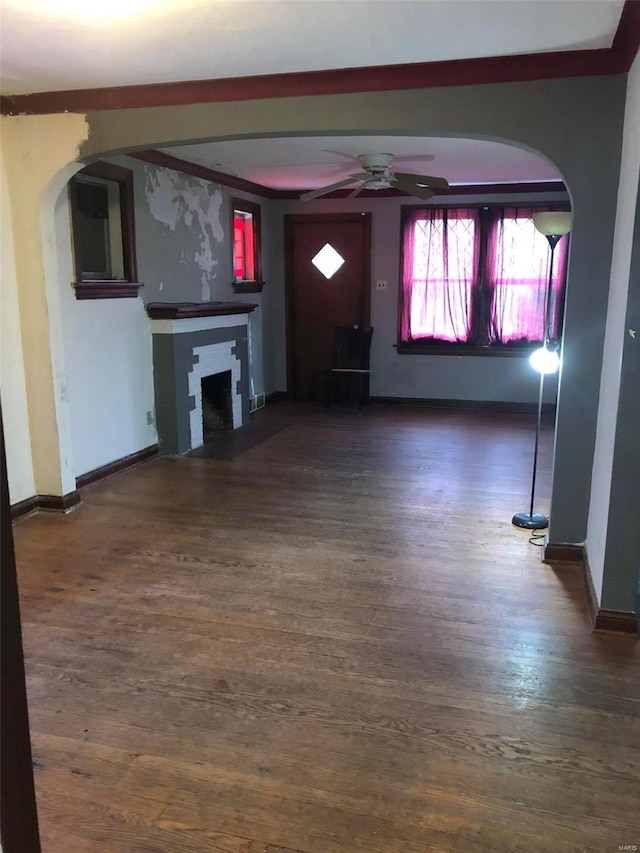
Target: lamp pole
(554,226)
(535,520)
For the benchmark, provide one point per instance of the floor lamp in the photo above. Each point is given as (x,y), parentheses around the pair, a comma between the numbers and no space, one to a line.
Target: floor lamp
(554,225)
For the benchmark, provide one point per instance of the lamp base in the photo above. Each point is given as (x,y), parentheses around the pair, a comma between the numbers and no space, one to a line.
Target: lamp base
(531,522)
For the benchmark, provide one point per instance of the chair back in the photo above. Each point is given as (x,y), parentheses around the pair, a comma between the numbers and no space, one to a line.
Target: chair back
(353,344)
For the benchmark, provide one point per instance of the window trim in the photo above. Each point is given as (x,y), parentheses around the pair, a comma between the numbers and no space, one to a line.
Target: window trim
(482,351)
(110,288)
(256,284)
(423,347)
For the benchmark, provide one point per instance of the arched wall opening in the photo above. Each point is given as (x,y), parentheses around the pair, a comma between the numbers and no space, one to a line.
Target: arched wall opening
(184,254)
(533,115)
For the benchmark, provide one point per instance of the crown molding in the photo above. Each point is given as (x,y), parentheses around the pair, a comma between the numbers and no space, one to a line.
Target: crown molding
(167,161)
(418,75)
(461,189)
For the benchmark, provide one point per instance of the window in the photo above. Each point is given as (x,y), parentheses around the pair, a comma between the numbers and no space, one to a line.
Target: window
(101,198)
(441,251)
(517,279)
(246,247)
(475,280)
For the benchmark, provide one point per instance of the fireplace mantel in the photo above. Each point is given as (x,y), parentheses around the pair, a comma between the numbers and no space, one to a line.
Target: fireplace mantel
(191,341)
(180,310)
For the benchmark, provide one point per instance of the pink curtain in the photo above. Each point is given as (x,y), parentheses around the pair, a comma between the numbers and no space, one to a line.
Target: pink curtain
(517,277)
(440,274)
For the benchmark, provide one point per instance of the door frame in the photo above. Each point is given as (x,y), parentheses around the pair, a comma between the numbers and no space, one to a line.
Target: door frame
(291,219)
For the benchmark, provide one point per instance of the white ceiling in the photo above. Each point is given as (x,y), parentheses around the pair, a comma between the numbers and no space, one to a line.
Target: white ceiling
(293,163)
(50,45)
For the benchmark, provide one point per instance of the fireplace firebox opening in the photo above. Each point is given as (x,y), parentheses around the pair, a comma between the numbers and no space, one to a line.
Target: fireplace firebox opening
(217,404)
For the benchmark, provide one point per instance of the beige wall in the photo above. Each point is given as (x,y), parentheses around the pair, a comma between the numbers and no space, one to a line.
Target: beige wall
(37,153)
(12,381)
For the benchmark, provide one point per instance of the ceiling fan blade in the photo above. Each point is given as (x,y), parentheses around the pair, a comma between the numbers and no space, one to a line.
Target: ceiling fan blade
(316,193)
(429,180)
(355,192)
(413,158)
(413,189)
(352,157)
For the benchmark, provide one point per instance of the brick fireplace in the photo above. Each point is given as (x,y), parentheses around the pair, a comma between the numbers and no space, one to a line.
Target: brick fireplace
(191,342)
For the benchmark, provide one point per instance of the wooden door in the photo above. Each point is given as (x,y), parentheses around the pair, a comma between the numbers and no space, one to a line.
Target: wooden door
(317,304)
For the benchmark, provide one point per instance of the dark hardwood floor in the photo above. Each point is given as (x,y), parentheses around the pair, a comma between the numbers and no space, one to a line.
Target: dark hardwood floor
(333,642)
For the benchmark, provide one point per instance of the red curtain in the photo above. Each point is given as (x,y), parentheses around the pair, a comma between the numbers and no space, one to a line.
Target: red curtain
(517,276)
(244,247)
(238,247)
(441,250)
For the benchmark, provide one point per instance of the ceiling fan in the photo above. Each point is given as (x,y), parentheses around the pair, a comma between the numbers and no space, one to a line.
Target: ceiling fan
(378,175)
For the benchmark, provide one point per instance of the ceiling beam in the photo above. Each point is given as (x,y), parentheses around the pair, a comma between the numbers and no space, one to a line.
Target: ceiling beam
(418,75)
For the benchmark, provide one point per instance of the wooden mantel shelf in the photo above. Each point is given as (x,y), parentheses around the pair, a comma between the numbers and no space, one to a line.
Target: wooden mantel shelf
(180,310)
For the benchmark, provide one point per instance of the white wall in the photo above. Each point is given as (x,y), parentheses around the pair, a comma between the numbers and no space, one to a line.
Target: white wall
(12,382)
(615,332)
(109,368)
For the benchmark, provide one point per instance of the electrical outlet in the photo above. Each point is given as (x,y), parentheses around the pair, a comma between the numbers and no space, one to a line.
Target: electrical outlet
(381,284)
(150,417)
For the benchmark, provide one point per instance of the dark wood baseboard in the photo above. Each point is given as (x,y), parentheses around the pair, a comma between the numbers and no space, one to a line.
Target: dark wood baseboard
(48,503)
(275,397)
(593,605)
(466,405)
(59,503)
(24,507)
(116,466)
(65,503)
(614,621)
(564,552)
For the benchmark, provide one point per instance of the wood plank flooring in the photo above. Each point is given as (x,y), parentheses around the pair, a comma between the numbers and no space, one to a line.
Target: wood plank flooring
(333,642)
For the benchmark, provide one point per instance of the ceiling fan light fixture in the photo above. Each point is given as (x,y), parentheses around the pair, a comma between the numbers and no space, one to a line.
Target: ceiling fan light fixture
(376,184)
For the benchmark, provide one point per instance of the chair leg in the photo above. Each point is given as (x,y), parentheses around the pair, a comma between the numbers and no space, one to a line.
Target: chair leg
(363,397)
(328,389)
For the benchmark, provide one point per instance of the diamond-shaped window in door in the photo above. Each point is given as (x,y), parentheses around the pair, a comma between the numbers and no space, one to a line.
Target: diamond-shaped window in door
(328,261)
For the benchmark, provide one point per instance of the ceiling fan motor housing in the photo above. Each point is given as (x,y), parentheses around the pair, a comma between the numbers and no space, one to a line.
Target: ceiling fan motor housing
(377,164)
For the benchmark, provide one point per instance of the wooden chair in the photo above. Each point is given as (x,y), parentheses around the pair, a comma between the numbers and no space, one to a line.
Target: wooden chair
(348,380)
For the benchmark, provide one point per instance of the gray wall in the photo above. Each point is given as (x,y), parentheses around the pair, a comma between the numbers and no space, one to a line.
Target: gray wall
(575,122)
(504,379)
(622,551)
(184,251)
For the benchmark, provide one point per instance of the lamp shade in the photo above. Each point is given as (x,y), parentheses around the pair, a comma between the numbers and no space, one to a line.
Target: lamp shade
(553,223)
(544,360)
